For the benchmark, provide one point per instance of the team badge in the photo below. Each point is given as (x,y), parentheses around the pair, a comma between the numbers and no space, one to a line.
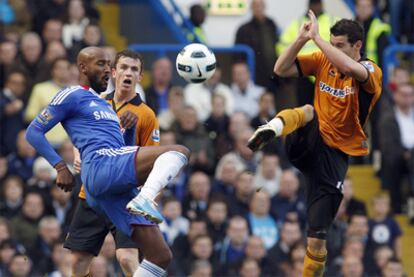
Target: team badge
(45,116)
(156,135)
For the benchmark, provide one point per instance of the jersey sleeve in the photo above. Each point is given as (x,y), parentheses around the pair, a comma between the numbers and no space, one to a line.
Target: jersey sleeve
(148,131)
(373,84)
(57,111)
(308,64)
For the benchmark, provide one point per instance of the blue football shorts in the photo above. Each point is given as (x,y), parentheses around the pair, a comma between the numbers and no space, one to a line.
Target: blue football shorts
(110,183)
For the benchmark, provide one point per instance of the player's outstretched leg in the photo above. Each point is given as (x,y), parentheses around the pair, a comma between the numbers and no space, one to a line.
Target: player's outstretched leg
(156,166)
(284,123)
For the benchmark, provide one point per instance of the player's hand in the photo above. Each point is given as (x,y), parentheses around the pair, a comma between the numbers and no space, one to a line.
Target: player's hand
(128,120)
(77,162)
(77,165)
(314,27)
(304,31)
(64,179)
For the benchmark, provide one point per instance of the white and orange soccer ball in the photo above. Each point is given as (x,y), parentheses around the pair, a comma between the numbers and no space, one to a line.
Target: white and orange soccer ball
(196,63)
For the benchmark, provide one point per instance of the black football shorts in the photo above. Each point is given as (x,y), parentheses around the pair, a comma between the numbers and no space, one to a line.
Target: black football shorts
(88,230)
(324,169)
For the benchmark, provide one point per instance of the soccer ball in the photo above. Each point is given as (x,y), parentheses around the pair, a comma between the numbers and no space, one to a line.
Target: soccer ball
(196,63)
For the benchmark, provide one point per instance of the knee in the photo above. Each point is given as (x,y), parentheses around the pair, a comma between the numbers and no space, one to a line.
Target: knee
(317,246)
(163,258)
(81,262)
(183,150)
(309,112)
(128,260)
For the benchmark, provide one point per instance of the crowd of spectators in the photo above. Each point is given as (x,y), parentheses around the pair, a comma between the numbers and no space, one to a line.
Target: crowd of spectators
(232,212)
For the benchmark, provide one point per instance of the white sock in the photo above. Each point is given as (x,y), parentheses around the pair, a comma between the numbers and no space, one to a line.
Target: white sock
(165,168)
(148,269)
(277,125)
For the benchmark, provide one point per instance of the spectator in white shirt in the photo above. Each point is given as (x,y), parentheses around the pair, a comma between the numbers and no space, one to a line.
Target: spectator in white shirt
(76,22)
(246,94)
(268,174)
(200,95)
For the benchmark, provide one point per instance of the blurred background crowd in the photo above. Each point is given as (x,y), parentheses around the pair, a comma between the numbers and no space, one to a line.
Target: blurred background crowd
(232,212)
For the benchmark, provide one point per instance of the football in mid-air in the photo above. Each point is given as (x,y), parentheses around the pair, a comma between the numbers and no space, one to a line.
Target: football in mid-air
(196,63)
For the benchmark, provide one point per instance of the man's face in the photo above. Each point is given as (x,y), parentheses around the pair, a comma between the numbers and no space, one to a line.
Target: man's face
(17,84)
(342,43)
(162,71)
(8,52)
(52,31)
(217,212)
(199,186)
(364,9)
(54,50)
(290,233)
(258,8)
(59,71)
(260,204)
(404,96)
(255,248)
(50,232)
(31,50)
(238,232)
(352,267)
(127,74)
(202,248)
(20,266)
(92,35)
(244,184)
(188,119)
(241,75)
(269,166)
(98,70)
(33,206)
(359,225)
(393,269)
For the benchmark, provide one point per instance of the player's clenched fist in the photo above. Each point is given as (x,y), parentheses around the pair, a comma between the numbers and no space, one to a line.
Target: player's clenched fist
(64,179)
(128,120)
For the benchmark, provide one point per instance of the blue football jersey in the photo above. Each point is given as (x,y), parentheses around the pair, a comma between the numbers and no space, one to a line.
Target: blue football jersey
(88,119)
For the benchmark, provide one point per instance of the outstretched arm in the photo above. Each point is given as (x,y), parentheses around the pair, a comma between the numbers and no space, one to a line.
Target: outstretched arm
(35,135)
(343,62)
(285,64)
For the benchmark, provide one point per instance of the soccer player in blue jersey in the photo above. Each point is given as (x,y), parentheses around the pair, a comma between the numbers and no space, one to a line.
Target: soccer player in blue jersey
(110,171)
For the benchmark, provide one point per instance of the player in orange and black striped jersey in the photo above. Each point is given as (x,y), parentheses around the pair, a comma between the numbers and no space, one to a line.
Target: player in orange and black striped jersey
(321,137)
(88,228)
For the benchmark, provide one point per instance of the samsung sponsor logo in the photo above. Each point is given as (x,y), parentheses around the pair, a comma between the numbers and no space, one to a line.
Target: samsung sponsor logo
(105,115)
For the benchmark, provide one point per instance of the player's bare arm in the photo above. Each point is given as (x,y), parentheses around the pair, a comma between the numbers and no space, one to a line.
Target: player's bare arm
(345,64)
(285,64)
(128,120)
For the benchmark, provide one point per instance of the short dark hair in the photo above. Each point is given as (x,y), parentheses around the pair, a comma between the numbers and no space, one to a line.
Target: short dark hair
(216,199)
(130,54)
(169,199)
(350,28)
